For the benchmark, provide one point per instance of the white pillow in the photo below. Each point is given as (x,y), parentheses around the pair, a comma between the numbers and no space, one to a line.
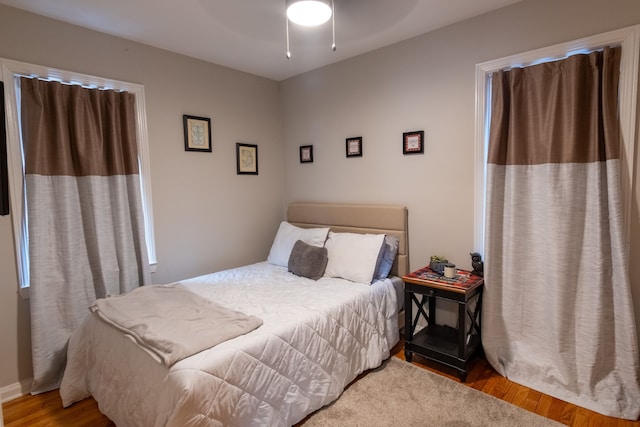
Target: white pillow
(288,235)
(353,256)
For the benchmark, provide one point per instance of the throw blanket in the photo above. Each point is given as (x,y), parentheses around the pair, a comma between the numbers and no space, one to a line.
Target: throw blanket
(171,321)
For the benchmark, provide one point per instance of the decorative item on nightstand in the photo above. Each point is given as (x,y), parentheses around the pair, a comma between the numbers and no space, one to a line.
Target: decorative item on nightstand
(450,271)
(477,264)
(437,263)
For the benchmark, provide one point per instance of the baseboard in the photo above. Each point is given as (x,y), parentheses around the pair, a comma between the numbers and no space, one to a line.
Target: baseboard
(15,390)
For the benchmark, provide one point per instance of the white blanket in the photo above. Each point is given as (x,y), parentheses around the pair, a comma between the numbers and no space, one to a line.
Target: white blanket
(171,321)
(315,339)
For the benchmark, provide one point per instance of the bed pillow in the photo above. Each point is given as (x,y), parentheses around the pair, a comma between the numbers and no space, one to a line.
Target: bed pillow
(386,257)
(287,236)
(353,256)
(307,260)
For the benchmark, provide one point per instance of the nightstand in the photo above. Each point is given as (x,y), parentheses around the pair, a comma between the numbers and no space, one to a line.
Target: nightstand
(451,346)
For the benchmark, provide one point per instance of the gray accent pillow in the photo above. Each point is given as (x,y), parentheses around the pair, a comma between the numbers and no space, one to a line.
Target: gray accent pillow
(307,260)
(386,257)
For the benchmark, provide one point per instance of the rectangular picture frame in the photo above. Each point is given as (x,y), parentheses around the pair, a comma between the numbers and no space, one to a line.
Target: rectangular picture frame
(197,133)
(246,159)
(354,147)
(306,154)
(413,142)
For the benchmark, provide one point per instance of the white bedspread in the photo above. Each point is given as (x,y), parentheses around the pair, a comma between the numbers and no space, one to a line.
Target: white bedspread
(317,336)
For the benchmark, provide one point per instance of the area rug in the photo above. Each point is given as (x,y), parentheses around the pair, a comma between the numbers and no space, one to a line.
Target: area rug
(401,394)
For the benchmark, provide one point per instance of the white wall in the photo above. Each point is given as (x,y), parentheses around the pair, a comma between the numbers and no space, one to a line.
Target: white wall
(206,217)
(426,83)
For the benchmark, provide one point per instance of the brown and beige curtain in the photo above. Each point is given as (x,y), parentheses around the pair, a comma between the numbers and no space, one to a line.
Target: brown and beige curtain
(84,210)
(558,314)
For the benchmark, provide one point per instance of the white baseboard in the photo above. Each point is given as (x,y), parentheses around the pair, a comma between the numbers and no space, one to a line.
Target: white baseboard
(15,390)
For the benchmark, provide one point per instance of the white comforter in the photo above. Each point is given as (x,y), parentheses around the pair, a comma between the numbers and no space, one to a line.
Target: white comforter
(317,337)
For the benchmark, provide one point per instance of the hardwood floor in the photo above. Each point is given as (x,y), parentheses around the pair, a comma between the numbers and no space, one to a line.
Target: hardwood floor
(46,409)
(484,378)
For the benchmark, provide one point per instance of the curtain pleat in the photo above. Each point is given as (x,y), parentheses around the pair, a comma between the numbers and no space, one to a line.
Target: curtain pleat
(84,207)
(558,314)
(4,173)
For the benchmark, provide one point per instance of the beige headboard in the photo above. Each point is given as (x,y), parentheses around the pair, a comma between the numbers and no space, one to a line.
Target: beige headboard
(375,219)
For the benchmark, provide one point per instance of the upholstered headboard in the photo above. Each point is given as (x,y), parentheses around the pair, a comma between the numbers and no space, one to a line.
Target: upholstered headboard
(352,218)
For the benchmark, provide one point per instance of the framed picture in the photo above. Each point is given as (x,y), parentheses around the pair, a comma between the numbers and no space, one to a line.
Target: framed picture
(247,159)
(354,147)
(413,142)
(197,133)
(306,154)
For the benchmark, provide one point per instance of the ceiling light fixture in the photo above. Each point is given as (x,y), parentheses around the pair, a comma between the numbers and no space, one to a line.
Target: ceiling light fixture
(310,13)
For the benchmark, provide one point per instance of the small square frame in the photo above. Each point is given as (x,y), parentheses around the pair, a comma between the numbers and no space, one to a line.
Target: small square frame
(354,147)
(197,133)
(306,154)
(413,142)
(246,159)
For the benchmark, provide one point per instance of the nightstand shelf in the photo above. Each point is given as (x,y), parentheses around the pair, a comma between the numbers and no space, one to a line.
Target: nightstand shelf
(451,346)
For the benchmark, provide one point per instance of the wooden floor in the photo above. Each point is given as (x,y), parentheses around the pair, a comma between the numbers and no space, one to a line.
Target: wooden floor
(46,409)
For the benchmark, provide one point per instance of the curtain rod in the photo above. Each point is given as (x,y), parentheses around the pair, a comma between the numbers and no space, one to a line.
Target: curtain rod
(67,82)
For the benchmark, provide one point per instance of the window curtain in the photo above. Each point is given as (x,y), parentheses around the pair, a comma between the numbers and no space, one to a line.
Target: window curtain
(4,174)
(84,210)
(558,314)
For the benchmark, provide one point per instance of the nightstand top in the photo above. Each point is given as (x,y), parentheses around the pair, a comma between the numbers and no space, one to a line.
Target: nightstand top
(464,281)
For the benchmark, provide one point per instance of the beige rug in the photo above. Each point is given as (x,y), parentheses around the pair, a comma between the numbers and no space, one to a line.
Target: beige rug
(401,394)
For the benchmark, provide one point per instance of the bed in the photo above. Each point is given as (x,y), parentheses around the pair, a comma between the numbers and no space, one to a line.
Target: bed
(315,338)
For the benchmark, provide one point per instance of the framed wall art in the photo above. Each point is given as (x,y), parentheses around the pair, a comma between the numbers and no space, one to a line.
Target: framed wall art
(197,133)
(246,159)
(306,154)
(413,142)
(354,147)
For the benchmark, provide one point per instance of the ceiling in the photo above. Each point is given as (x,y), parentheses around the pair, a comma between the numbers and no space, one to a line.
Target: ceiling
(249,35)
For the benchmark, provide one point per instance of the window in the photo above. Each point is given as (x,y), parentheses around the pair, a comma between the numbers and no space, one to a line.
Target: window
(629,39)
(10,73)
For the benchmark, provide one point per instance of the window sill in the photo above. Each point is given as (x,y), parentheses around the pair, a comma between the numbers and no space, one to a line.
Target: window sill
(24,291)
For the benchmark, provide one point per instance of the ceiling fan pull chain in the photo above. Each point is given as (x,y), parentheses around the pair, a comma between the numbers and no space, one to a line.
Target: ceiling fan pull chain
(333,24)
(288,51)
